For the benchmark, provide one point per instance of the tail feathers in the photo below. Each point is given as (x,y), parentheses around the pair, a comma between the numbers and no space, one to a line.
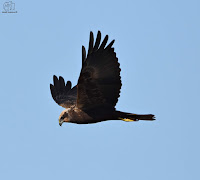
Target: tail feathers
(135,117)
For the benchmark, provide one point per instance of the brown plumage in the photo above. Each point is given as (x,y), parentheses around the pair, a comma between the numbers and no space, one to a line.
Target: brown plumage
(94,98)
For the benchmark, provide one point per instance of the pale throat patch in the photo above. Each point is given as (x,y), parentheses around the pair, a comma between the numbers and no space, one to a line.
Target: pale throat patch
(63,112)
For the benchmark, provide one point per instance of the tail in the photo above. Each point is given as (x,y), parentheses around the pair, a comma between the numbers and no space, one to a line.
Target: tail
(134,117)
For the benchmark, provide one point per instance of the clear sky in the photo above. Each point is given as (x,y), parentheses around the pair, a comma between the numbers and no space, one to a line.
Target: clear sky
(158,46)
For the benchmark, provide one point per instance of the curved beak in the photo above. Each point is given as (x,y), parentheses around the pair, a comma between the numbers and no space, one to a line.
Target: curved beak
(60,122)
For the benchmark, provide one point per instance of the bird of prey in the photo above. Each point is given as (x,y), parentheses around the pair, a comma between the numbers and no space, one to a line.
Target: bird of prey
(94,97)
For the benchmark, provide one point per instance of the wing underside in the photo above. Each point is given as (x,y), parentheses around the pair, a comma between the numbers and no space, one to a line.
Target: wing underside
(62,93)
(99,82)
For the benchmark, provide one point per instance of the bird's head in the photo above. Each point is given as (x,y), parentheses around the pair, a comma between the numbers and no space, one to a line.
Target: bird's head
(63,117)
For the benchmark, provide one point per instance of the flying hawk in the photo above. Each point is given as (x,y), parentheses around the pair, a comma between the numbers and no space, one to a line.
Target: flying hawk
(94,98)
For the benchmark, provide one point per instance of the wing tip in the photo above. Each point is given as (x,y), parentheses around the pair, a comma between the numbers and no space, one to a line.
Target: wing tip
(61,78)
(91,33)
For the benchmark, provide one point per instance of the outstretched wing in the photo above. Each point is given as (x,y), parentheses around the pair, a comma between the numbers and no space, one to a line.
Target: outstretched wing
(62,94)
(99,83)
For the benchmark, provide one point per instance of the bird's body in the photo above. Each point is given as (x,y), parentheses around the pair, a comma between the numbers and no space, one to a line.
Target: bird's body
(94,98)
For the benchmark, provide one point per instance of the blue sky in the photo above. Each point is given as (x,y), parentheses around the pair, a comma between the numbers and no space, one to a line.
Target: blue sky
(158,46)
